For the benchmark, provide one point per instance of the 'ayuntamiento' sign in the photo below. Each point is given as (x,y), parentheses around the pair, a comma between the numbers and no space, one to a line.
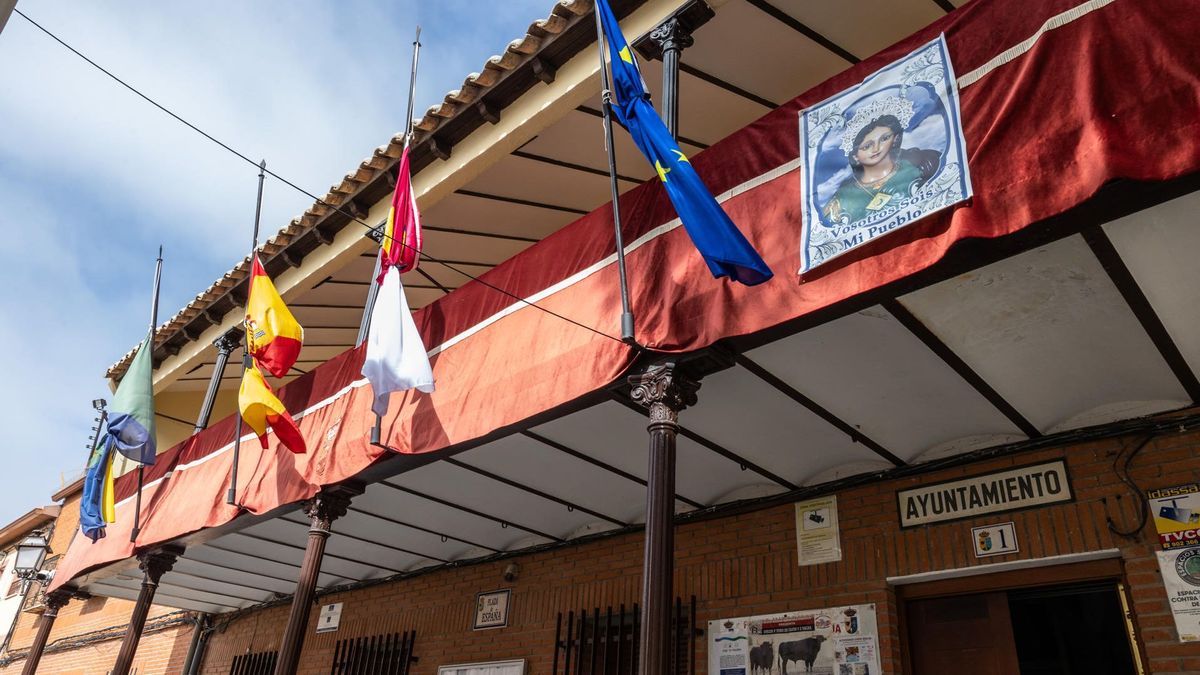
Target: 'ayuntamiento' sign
(1018,488)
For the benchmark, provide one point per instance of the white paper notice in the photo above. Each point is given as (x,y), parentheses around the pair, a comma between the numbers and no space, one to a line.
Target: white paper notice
(1181,575)
(817,537)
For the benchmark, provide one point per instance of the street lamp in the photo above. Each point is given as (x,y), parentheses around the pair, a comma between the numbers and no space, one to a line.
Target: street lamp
(31,553)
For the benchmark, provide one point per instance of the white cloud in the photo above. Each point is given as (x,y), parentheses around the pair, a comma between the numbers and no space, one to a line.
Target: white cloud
(93,177)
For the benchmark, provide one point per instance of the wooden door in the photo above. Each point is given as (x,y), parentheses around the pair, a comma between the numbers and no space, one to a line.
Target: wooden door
(962,634)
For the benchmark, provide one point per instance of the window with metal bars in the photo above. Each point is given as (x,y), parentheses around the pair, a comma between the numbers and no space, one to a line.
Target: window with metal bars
(259,663)
(386,654)
(606,642)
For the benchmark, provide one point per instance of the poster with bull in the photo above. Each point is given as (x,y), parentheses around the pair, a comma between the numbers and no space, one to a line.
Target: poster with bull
(831,641)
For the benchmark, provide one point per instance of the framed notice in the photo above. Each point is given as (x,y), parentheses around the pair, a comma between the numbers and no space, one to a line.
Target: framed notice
(330,618)
(881,155)
(818,539)
(491,609)
(514,667)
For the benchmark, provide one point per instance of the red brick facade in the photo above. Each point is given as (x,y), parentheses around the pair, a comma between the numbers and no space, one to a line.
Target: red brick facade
(746,564)
(735,565)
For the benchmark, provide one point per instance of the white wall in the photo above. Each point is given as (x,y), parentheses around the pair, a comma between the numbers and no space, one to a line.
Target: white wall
(10,606)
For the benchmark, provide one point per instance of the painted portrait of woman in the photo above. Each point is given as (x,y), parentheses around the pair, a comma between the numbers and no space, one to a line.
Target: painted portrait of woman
(881,155)
(881,169)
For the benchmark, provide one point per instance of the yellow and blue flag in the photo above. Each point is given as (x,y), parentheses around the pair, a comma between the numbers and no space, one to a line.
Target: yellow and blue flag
(722,245)
(130,431)
(97,508)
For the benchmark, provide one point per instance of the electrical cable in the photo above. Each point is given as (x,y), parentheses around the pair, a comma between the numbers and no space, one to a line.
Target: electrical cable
(301,190)
(1122,474)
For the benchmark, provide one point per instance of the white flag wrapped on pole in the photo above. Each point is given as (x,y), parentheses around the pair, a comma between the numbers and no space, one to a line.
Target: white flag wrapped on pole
(396,358)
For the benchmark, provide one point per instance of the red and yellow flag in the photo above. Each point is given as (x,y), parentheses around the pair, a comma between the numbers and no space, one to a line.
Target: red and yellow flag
(402,235)
(273,336)
(260,407)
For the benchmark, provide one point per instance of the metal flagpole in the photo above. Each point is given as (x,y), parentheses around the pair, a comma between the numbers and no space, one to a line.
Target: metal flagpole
(365,326)
(627,326)
(231,496)
(98,404)
(376,431)
(137,509)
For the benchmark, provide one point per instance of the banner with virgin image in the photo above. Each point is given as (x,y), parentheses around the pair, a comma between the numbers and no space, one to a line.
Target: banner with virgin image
(881,155)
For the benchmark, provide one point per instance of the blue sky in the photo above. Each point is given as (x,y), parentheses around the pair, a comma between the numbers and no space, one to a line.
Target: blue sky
(93,179)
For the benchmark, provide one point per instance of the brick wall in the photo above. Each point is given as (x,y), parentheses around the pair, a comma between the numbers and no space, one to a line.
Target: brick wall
(158,653)
(746,564)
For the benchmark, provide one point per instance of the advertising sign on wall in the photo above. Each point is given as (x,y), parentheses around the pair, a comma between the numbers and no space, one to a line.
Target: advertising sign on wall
(831,641)
(1176,515)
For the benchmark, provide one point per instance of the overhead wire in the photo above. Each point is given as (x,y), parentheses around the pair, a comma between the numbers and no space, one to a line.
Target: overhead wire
(422,255)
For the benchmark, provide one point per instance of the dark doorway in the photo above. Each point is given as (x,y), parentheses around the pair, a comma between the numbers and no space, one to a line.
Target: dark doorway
(1070,629)
(1077,629)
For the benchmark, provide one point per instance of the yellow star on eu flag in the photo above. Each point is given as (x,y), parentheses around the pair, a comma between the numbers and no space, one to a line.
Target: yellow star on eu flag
(662,172)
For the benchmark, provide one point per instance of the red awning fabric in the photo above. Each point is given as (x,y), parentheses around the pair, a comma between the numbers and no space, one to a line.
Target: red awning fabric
(1058,98)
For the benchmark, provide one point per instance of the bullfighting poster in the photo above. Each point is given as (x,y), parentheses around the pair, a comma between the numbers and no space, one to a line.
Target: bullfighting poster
(831,641)
(881,155)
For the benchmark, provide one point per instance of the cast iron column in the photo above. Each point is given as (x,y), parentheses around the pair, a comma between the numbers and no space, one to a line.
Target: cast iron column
(329,505)
(54,602)
(673,37)
(665,391)
(229,341)
(153,563)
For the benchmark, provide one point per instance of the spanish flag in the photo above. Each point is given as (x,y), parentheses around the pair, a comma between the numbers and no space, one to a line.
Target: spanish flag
(260,407)
(402,235)
(273,336)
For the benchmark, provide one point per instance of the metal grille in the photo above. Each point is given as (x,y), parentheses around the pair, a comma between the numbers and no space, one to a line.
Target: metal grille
(606,643)
(262,663)
(387,654)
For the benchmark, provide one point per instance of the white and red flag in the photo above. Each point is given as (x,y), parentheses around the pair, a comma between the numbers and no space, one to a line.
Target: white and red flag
(396,358)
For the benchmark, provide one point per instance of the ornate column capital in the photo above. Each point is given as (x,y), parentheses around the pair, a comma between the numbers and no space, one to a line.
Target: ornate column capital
(330,504)
(664,390)
(157,561)
(672,34)
(56,600)
(229,340)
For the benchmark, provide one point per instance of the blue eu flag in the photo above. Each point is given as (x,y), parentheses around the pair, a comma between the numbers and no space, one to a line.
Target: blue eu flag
(723,247)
